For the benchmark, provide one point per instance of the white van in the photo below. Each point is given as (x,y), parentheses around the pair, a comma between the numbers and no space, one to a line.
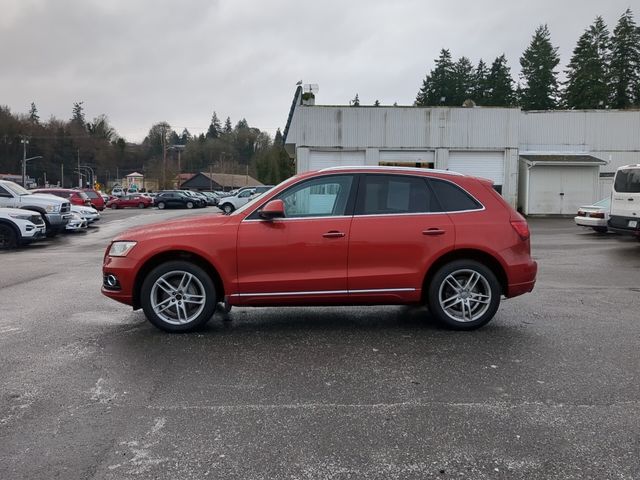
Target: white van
(625,201)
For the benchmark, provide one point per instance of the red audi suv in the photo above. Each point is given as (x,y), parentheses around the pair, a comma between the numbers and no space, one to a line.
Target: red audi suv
(338,236)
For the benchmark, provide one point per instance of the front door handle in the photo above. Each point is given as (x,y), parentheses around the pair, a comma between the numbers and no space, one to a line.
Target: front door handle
(333,234)
(433,231)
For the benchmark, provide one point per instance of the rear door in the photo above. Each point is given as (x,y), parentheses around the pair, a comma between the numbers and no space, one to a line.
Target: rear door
(398,229)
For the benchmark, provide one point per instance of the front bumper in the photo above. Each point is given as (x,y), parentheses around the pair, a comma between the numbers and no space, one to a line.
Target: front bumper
(624,225)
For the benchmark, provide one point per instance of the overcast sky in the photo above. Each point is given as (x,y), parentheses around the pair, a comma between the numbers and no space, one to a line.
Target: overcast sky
(144,61)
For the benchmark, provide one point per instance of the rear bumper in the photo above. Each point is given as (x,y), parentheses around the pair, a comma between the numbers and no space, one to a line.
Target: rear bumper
(590,222)
(523,279)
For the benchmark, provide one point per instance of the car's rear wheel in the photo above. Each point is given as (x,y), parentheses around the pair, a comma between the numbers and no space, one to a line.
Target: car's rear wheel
(114,206)
(8,237)
(227,208)
(178,296)
(141,205)
(161,205)
(464,295)
(189,204)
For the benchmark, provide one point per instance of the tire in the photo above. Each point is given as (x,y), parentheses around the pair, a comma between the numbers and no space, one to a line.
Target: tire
(161,206)
(51,232)
(114,206)
(163,296)
(601,229)
(189,204)
(471,307)
(8,237)
(227,208)
(141,205)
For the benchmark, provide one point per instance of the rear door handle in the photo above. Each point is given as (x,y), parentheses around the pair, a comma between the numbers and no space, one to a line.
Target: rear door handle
(333,234)
(433,231)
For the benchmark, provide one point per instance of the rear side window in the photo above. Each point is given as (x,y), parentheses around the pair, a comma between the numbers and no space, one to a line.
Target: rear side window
(91,194)
(394,194)
(627,181)
(453,198)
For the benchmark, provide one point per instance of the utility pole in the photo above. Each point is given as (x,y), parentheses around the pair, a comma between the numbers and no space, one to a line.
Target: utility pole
(79,172)
(24,143)
(62,175)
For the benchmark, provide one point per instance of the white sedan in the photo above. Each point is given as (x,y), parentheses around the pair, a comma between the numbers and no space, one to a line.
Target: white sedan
(594,216)
(88,214)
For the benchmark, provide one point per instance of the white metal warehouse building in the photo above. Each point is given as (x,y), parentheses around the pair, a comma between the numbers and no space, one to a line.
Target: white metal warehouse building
(546,163)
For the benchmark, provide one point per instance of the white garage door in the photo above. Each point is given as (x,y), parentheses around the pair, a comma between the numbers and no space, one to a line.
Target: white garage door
(413,158)
(325,159)
(479,164)
(560,189)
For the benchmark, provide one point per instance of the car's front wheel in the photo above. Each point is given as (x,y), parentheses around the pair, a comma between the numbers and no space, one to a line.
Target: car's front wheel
(601,229)
(161,205)
(464,295)
(8,237)
(189,204)
(178,296)
(114,206)
(227,208)
(141,205)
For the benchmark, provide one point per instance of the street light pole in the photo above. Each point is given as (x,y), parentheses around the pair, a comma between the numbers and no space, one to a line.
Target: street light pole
(24,142)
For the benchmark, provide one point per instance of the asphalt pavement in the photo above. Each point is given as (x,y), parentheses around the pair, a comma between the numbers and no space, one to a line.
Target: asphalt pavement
(550,389)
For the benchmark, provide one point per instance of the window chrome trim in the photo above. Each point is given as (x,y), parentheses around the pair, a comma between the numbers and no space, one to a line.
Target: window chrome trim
(289,219)
(322,292)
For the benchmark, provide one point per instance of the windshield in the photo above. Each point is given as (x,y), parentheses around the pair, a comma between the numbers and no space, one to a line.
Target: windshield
(627,181)
(15,188)
(91,194)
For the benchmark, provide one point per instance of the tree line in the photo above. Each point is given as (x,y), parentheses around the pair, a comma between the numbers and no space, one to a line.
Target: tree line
(604,72)
(94,145)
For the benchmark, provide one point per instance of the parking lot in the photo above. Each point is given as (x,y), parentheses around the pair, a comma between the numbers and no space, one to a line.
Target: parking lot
(549,389)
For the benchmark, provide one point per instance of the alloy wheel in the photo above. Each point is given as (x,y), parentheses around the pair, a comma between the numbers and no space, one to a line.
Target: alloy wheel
(178,297)
(465,295)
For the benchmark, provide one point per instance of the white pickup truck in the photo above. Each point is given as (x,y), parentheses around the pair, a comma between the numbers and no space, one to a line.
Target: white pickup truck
(55,211)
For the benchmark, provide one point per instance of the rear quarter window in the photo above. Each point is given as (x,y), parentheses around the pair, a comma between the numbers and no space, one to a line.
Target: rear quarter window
(452,198)
(627,181)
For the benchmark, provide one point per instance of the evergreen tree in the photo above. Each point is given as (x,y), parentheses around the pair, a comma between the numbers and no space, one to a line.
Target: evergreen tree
(356,101)
(242,124)
(438,88)
(625,63)
(540,90)
(376,103)
(33,114)
(215,129)
(227,126)
(77,116)
(185,137)
(479,91)
(587,72)
(463,78)
(499,84)
(279,139)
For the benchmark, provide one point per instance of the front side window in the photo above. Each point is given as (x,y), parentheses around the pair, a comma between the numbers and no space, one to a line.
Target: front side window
(453,198)
(320,197)
(395,194)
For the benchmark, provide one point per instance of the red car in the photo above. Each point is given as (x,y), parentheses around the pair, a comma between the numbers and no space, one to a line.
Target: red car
(340,236)
(96,199)
(76,197)
(130,201)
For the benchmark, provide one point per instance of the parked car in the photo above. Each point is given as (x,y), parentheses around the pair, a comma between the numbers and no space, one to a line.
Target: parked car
(117,191)
(19,227)
(75,197)
(76,223)
(135,200)
(199,201)
(174,199)
(54,210)
(95,198)
(625,201)
(594,216)
(233,202)
(89,214)
(212,199)
(339,236)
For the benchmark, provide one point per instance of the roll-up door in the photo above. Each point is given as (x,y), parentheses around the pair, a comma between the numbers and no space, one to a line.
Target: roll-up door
(479,164)
(408,158)
(319,159)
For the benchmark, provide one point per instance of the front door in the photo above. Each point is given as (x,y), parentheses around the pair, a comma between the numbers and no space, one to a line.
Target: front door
(301,258)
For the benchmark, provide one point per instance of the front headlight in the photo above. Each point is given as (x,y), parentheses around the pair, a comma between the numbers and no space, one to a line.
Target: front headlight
(121,249)
(53,208)
(21,216)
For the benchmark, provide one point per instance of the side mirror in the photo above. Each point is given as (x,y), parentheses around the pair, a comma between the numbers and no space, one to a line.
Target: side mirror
(273,209)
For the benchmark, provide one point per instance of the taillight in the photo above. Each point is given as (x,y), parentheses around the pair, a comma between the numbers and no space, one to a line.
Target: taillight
(581,213)
(596,215)
(521,228)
